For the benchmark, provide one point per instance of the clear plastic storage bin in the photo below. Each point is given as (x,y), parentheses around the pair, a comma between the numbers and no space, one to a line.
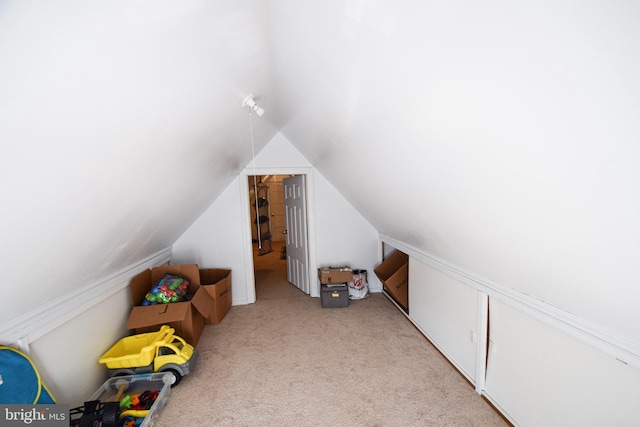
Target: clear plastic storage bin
(114,389)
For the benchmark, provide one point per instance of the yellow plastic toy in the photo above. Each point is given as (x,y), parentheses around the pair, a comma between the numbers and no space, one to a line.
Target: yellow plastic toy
(160,351)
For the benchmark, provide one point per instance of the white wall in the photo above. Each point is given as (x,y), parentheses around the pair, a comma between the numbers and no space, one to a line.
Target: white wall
(446,311)
(537,370)
(66,337)
(67,357)
(344,237)
(540,376)
(215,240)
(338,233)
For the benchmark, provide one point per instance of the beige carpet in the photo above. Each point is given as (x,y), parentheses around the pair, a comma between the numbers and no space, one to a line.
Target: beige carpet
(286,361)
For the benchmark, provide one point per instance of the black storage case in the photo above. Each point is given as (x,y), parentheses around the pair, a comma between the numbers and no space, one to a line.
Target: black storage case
(335,295)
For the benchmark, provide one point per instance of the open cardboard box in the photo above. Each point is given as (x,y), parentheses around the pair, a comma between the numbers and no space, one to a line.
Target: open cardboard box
(393,272)
(186,317)
(217,283)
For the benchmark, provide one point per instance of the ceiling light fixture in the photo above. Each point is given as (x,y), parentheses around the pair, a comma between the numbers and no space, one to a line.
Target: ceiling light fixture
(250,102)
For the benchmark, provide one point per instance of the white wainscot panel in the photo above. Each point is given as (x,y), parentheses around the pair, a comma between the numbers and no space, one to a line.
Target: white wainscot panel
(540,376)
(447,313)
(67,357)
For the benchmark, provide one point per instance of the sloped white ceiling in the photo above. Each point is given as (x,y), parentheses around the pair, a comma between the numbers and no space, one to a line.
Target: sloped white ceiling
(502,137)
(121,123)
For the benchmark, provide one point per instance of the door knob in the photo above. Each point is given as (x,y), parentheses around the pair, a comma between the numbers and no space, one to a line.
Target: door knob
(285,231)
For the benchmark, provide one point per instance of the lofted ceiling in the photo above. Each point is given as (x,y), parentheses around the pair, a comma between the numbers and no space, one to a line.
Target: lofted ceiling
(501,137)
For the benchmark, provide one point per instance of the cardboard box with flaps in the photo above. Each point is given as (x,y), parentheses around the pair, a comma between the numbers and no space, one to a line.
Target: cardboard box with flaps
(187,317)
(217,282)
(393,272)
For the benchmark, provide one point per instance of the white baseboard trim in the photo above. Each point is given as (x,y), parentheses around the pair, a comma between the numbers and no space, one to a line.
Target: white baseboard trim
(35,324)
(500,409)
(375,289)
(620,347)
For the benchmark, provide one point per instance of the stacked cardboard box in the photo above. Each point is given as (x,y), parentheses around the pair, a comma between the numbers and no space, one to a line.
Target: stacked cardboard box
(334,292)
(329,275)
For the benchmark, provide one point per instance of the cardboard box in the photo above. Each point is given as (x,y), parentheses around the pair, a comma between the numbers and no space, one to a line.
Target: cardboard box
(393,272)
(334,296)
(217,283)
(328,275)
(186,317)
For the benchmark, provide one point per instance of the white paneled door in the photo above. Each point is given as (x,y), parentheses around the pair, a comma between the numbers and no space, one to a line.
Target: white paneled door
(295,215)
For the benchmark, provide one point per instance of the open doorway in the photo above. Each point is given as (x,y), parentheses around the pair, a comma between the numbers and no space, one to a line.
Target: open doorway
(272,216)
